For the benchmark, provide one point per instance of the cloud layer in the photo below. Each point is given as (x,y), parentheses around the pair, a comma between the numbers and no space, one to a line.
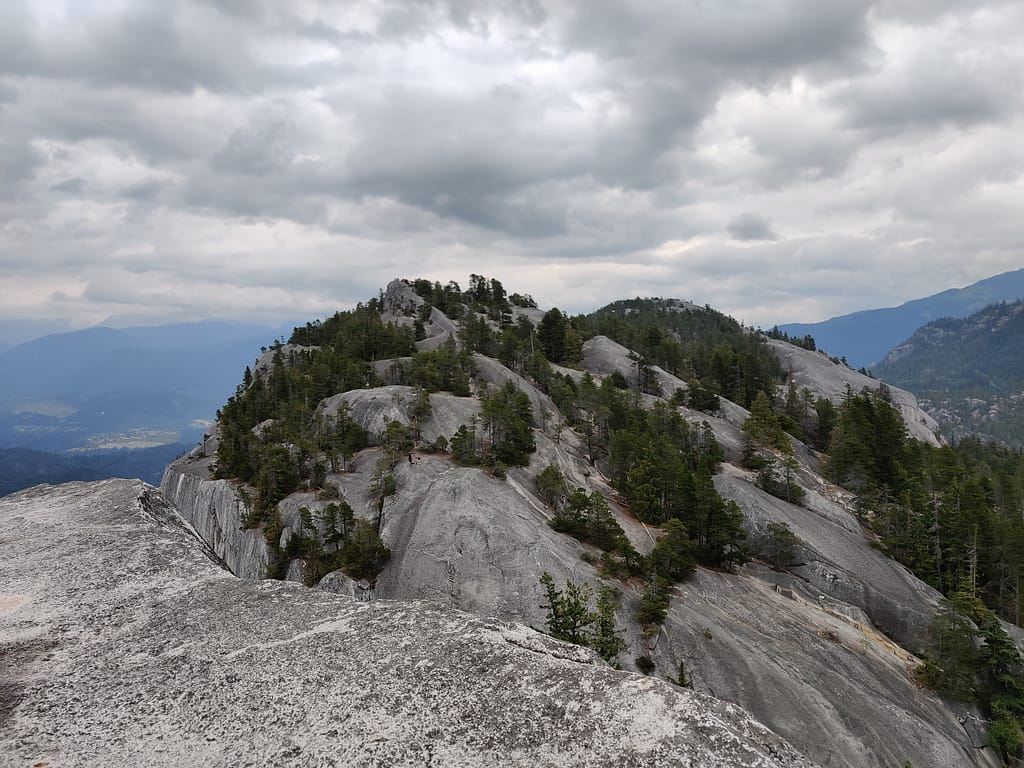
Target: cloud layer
(781,161)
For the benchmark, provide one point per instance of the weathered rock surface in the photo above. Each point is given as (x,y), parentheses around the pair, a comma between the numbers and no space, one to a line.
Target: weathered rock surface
(215,510)
(817,661)
(265,362)
(372,409)
(494,373)
(130,647)
(837,562)
(401,299)
(824,378)
(833,683)
(816,666)
(603,356)
(401,304)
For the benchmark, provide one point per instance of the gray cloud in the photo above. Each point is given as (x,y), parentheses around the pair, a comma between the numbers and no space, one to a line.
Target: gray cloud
(749,226)
(72,186)
(256,151)
(265,160)
(18,161)
(145,190)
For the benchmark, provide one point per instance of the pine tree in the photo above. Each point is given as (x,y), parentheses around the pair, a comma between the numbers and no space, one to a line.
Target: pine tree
(568,613)
(606,639)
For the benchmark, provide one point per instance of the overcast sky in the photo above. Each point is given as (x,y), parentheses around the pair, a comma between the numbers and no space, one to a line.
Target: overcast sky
(781,161)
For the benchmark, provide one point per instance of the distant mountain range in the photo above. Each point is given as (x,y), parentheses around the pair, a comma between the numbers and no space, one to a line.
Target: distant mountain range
(968,373)
(22,467)
(864,338)
(131,387)
(18,331)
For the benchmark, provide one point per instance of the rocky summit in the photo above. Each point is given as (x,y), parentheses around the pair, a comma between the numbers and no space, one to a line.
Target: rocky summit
(125,642)
(822,651)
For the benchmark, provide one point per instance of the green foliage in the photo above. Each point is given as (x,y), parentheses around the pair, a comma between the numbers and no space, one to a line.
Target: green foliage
(1004,734)
(463,446)
(568,612)
(972,369)
(662,465)
(278,476)
(953,515)
(338,521)
(340,439)
(447,298)
(551,486)
(827,415)
(477,336)
(780,545)
(697,345)
(763,428)
(286,398)
(702,398)
(382,485)
(971,658)
(672,558)
(551,333)
(506,432)
(716,526)
(570,618)
(805,342)
(589,518)
(653,606)
(396,440)
(867,442)
(645,664)
(507,419)
(363,555)
(952,658)
(522,300)
(682,678)
(784,485)
(445,369)
(606,639)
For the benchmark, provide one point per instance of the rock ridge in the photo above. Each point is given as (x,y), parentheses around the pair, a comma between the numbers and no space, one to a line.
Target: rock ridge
(131,647)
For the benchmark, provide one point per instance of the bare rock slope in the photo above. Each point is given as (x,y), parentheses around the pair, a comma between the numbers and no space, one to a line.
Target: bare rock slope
(823,654)
(828,665)
(125,644)
(824,378)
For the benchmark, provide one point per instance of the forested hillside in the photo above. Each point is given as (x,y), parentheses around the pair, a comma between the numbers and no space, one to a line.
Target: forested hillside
(274,438)
(865,337)
(952,514)
(969,373)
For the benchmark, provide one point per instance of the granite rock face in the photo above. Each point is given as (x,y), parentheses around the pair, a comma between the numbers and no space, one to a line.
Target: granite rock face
(128,645)
(822,653)
(836,562)
(216,511)
(373,408)
(824,378)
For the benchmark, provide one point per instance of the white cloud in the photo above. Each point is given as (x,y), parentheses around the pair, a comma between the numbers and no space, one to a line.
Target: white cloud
(782,162)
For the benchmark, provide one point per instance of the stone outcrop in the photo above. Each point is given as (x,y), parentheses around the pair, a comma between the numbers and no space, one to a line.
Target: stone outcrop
(216,511)
(127,645)
(814,371)
(821,653)
(265,362)
(836,563)
(373,408)
(491,372)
